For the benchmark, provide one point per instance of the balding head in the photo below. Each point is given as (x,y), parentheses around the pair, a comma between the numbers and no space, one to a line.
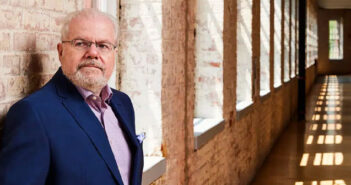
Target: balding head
(86,13)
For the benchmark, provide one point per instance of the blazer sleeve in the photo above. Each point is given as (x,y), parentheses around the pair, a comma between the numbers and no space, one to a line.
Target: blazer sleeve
(24,153)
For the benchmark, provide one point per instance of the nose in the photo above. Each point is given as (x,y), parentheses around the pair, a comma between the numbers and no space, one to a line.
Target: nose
(92,52)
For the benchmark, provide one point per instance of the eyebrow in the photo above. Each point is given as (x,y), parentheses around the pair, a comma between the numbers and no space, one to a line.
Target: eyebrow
(99,41)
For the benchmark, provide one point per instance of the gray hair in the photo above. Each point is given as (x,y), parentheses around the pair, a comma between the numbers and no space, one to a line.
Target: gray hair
(89,12)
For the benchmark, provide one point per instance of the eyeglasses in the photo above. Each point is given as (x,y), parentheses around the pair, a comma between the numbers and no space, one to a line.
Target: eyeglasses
(81,44)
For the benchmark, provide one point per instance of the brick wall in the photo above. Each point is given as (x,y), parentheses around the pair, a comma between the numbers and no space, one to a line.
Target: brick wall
(29,32)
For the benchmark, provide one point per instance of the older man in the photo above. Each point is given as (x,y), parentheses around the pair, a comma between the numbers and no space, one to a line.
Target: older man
(75,130)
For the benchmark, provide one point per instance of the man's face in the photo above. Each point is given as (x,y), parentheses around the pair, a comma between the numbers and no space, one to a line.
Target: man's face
(88,68)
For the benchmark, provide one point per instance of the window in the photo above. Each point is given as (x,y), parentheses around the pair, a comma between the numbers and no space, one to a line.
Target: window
(297,37)
(139,70)
(277,43)
(265,46)
(208,111)
(293,40)
(209,59)
(244,55)
(336,40)
(311,38)
(286,40)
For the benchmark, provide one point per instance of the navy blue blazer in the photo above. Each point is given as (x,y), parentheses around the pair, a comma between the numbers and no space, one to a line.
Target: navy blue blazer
(53,138)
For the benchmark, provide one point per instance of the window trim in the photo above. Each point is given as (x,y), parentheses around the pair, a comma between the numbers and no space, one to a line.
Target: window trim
(154,168)
(205,129)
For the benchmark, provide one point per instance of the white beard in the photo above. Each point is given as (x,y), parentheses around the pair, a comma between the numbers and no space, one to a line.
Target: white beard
(82,79)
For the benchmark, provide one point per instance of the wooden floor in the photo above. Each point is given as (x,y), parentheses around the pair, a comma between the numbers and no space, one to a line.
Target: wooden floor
(317,151)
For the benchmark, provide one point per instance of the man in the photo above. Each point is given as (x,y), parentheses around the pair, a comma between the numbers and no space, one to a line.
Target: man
(75,130)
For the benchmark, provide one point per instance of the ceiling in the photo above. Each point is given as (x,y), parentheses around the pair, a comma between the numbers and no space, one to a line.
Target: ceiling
(335,4)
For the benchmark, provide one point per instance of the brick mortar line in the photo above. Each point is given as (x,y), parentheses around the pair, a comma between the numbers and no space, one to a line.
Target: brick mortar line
(34,9)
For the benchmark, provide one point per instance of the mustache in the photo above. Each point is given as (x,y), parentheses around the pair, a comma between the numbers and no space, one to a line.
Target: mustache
(91,62)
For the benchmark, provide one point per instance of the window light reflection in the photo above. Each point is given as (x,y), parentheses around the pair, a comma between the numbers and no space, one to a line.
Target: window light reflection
(320,140)
(332,102)
(329,139)
(317,159)
(309,140)
(328,159)
(313,127)
(331,126)
(316,117)
(318,109)
(335,97)
(304,159)
(324,182)
(332,117)
(332,108)
(319,102)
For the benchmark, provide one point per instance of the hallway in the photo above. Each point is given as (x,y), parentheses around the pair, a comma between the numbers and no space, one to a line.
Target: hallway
(315,152)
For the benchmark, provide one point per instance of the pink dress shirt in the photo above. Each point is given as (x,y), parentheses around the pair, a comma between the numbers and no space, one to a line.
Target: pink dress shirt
(102,110)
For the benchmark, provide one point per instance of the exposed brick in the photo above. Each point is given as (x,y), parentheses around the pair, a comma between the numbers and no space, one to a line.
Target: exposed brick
(11,65)
(34,3)
(56,22)
(2,90)
(3,2)
(54,5)
(24,41)
(33,63)
(5,41)
(3,110)
(17,3)
(46,42)
(15,86)
(36,21)
(10,19)
(72,5)
(34,82)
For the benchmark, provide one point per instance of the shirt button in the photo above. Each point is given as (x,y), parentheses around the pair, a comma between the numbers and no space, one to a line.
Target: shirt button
(94,97)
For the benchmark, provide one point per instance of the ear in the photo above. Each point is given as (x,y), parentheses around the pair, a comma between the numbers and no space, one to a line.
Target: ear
(59,50)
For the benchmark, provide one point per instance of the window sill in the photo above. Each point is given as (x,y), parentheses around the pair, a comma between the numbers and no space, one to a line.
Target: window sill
(154,167)
(241,111)
(265,96)
(263,93)
(205,129)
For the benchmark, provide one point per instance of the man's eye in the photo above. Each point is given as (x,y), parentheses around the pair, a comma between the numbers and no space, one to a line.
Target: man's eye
(103,46)
(81,44)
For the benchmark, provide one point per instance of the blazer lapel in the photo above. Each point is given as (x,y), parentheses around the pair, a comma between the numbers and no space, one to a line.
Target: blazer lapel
(135,146)
(86,119)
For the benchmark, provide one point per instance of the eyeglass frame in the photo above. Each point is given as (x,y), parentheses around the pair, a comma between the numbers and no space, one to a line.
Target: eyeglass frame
(89,44)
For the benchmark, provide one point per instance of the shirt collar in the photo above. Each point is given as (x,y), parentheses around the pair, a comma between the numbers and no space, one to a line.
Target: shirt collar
(105,95)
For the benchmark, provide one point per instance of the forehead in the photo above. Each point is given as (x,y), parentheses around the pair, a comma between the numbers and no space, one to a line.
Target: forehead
(91,27)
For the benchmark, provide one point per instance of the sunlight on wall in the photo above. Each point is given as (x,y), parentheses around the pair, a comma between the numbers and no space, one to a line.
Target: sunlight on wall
(140,65)
(286,40)
(265,47)
(209,59)
(293,39)
(244,54)
(277,42)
